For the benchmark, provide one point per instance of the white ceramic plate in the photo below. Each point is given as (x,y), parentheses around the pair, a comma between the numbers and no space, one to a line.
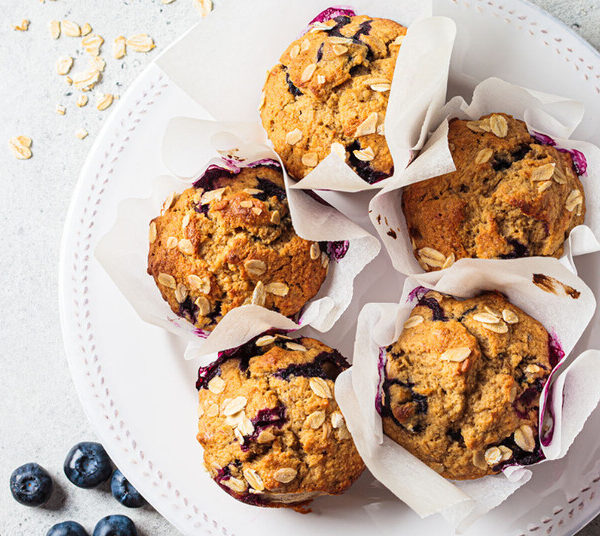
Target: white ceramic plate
(138,391)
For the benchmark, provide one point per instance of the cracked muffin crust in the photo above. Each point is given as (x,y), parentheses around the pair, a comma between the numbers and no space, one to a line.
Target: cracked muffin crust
(330,93)
(510,196)
(462,383)
(272,432)
(229,241)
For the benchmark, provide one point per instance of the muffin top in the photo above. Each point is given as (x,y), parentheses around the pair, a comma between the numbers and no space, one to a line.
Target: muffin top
(330,93)
(462,384)
(272,432)
(510,196)
(229,241)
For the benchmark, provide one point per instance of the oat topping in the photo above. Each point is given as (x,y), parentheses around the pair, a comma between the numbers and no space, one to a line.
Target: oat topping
(310,159)
(216,385)
(365,155)
(457,355)
(308,72)
(320,387)
(293,136)
(368,126)
(285,475)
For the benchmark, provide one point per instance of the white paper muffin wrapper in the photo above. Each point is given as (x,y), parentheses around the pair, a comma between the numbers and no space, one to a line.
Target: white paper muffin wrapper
(222,60)
(380,324)
(124,250)
(553,116)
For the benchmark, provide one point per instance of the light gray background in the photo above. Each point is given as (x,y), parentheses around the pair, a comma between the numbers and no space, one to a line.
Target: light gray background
(40,415)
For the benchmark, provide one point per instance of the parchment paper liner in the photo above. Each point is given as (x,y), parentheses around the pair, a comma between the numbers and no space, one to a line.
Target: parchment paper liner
(565,318)
(556,117)
(222,60)
(123,250)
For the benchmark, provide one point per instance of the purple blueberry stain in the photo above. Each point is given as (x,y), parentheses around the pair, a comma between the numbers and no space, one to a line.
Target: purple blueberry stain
(381,373)
(292,88)
(557,358)
(269,189)
(326,365)
(416,294)
(433,304)
(333,12)
(364,169)
(335,250)
(518,250)
(579,159)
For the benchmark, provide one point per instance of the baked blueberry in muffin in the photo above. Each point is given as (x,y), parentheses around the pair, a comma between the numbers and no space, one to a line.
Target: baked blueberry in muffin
(330,93)
(229,241)
(510,196)
(272,432)
(461,385)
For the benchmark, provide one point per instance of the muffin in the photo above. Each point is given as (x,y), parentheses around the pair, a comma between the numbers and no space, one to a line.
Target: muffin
(461,385)
(330,93)
(229,241)
(510,196)
(272,432)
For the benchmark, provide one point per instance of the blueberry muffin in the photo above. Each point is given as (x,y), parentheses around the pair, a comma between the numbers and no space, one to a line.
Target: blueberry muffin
(272,432)
(330,93)
(229,241)
(510,196)
(462,383)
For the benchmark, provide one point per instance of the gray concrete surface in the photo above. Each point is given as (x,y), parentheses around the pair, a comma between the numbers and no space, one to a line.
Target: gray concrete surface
(40,415)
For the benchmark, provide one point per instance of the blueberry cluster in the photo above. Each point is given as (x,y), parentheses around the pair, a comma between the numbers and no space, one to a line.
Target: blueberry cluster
(87,465)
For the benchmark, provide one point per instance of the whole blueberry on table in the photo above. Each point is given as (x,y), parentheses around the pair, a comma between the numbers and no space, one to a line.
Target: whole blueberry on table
(115,526)
(31,484)
(87,465)
(67,528)
(124,492)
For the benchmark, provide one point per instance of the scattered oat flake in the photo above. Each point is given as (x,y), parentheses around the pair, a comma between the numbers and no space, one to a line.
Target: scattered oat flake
(60,109)
(81,133)
(70,28)
(20,146)
(86,80)
(119,47)
(97,64)
(141,43)
(82,100)
(104,101)
(23,26)
(92,43)
(168,1)
(203,6)
(86,29)
(54,26)
(64,64)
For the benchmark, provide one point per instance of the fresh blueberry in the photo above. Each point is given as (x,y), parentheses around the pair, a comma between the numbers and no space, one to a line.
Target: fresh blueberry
(115,526)
(124,492)
(87,465)
(31,484)
(67,528)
